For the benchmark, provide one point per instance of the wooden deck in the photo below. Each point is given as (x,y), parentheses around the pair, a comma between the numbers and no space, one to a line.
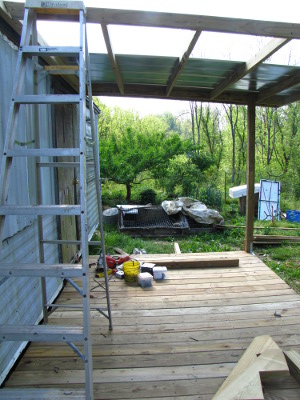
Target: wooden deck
(178,340)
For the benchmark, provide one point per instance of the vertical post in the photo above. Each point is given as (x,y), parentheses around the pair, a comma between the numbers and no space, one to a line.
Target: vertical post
(83,218)
(250,175)
(36,115)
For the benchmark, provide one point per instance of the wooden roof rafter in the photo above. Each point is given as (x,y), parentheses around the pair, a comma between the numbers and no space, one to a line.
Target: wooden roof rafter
(112,58)
(267,51)
(282,84)
(180,64)
(190,79)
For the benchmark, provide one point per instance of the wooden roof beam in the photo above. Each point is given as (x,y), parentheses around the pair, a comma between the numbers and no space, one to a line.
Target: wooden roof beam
(288,99)
(181,64)
(112,58)
(180,21)
(266,52)
(178,93)
(282,84)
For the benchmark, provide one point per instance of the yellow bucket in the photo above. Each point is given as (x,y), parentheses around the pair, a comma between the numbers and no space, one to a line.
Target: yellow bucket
(131,270)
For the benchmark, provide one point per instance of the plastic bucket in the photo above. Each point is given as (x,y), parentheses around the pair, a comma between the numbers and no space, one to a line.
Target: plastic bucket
(131,270)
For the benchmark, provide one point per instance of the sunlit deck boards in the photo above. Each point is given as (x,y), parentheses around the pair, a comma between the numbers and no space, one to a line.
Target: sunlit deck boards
(179,340)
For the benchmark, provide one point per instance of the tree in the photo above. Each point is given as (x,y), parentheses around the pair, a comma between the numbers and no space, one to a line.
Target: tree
(267,129)
(232,113)
(124,158)
(213,133)
(196,118)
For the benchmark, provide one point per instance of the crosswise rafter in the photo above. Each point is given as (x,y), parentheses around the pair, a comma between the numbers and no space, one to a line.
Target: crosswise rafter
(266,52)
(112,58)
(282,84)
(180,65)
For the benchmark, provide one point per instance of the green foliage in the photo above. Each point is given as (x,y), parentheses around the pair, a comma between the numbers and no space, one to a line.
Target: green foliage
(211,196)
(112,194)
(180,177)
(148,196)
(133,149)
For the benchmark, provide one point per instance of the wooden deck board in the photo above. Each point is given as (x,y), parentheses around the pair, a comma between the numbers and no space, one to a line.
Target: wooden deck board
(178,340)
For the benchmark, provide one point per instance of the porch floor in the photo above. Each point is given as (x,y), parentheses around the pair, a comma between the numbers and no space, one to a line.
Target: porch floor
(178,340)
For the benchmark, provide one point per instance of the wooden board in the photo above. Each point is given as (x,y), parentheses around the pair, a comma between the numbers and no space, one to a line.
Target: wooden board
(263,356)
(189,260)
(179,340)
(293,360)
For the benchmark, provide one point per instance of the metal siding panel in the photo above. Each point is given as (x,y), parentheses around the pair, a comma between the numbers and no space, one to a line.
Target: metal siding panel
(22,192)
(20,299)
(92,204)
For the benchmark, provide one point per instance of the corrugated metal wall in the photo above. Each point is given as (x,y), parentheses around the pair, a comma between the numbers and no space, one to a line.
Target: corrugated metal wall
(20,299)
(91,185)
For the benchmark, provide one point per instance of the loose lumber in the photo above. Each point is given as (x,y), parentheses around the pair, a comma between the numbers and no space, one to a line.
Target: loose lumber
(41,394)
(280,228)
(293,360)
(120,251)
(274,239)
(177,248)
(189,260)
(263,356)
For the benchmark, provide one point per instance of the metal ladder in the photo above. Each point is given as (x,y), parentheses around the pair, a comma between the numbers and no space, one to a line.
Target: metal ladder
(29,48)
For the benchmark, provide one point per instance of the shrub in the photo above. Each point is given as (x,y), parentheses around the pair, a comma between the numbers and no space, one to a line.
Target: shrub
(211,196)
(148,196)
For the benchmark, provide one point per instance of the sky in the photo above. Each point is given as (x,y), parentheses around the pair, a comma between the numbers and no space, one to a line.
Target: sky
(170,42)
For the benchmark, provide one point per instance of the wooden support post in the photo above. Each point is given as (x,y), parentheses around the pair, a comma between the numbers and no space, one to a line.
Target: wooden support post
(250,175)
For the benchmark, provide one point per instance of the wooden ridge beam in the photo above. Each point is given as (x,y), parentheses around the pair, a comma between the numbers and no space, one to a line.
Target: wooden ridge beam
(266,52)
(284,83)
(112,58)
(180,21)
(181,64)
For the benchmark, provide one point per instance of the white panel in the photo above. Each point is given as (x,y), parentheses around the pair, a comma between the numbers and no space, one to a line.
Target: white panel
(240,191)
(269,200)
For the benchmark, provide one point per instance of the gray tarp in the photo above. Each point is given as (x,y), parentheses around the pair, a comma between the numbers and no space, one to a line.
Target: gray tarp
(194,209)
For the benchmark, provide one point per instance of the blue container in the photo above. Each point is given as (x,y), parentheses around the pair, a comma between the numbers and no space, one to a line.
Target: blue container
(293,215)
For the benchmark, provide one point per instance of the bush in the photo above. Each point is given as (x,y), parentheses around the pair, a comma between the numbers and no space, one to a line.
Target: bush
(148,196)
(211,196)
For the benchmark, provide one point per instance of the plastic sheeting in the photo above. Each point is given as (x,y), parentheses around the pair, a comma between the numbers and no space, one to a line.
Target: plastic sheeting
(194,209)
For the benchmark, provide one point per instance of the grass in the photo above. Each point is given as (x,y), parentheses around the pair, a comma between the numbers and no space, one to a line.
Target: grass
(284,260)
